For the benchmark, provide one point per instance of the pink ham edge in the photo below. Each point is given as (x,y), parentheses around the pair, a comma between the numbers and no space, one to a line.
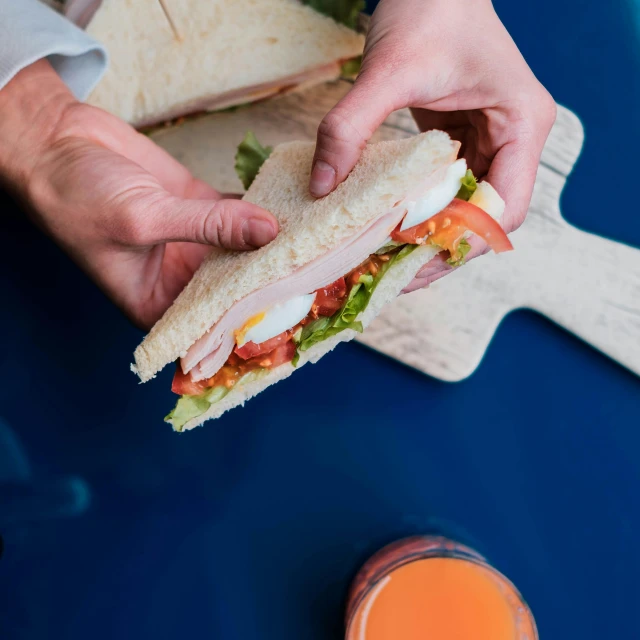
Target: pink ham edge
(244,95)
(207,355)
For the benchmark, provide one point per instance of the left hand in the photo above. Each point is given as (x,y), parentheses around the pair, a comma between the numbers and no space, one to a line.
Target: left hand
(455,65)
(130,215)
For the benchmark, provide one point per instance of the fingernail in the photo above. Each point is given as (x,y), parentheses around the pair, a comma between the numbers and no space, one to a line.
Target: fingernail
(323,179)
(257,232)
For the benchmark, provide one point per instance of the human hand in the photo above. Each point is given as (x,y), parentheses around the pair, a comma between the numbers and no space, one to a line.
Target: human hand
(129,214)
(455,65)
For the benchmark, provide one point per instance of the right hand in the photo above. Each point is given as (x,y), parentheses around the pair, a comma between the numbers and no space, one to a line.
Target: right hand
(129,214)
(454,64)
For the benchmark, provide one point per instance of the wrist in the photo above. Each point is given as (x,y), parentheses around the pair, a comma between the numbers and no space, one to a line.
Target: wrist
(32,105)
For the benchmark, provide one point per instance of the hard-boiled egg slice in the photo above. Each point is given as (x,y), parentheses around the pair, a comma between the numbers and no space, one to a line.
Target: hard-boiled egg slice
(436,198)
(275,320)
(487,198)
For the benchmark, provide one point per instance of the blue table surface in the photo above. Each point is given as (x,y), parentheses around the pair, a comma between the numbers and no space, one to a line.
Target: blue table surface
(253,526)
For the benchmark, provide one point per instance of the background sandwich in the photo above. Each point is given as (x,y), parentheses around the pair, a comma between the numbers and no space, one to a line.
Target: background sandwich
(170,58)
(248,320)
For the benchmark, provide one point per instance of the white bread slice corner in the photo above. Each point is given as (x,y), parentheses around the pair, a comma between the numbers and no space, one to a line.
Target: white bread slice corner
(224,46)
(309,228)
(394,281)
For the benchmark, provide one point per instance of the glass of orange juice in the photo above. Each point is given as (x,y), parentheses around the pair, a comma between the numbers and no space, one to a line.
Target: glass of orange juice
(432,587)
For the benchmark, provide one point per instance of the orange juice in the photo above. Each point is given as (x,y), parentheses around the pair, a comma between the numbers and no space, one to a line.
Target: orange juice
(432,588)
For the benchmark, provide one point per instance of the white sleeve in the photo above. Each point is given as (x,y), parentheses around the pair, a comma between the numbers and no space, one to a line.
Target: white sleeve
(30,30)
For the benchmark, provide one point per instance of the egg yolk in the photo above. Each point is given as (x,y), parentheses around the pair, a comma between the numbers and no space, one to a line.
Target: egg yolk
(239,334)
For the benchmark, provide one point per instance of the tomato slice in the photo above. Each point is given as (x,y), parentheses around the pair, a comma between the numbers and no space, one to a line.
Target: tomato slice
(250,349)
(183,384)
(280,355)
(446,228)
(330,298)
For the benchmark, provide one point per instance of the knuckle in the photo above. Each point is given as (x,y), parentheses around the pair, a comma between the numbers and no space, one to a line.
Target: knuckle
(37,189)
(129,227)
(337,127)
(218,226)
(536,113)
(546,108)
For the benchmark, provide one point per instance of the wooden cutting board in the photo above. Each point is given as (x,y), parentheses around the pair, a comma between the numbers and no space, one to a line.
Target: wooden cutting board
(585,283)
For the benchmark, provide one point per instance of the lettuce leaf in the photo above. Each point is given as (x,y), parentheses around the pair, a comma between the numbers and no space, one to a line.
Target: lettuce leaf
(346,317)
(468,186)
(458,259)
(249,158)
(189,407)
(343,11)
(351,67)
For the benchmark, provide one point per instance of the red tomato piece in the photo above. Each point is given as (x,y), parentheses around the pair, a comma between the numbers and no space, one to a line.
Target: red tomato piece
(183,384)
(251,349)
(280,355)
(446,228)
(330,298)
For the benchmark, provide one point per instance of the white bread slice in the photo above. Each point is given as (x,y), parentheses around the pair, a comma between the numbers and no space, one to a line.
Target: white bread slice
(393,282)
(224,46)
(309,228)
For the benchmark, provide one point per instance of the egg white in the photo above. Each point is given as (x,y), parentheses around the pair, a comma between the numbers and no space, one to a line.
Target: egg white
(437,198)
(279,318)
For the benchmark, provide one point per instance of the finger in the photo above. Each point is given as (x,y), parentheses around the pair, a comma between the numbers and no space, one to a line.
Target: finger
(513,174)
(139,148)
(173,175)
(346,129)
(230,224)
(514,168)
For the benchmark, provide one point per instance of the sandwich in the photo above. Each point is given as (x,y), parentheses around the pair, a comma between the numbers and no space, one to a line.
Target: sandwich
(171,58)
(248,320)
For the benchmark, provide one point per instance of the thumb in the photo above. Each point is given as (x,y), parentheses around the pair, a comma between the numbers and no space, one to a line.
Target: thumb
(346,129)
(226,223)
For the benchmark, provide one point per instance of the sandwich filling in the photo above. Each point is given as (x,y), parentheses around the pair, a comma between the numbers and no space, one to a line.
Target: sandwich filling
(239,97)
(271,328)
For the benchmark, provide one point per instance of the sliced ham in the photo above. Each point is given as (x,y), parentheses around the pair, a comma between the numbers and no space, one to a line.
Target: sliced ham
(210,352)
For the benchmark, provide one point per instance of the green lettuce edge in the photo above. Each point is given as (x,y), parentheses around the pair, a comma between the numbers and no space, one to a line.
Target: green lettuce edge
(468,186)
(351,68)
(344,12)
(189,407)
(459,258)
(347,316)
(250,157)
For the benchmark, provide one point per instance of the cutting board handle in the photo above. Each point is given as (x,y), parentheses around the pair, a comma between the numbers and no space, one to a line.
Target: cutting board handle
(591,286)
